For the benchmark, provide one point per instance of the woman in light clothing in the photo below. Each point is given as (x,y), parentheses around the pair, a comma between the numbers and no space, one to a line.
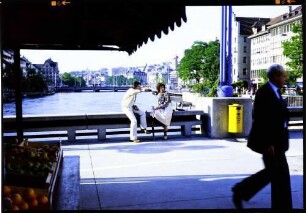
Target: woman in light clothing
(163,111)
(129,108)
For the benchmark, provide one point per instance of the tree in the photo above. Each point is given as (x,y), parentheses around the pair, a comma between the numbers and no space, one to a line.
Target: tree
(68,79)
(201,62)
(211,65)
(34,82)
(8,77)
(293,49)
(80,81)
(190,65)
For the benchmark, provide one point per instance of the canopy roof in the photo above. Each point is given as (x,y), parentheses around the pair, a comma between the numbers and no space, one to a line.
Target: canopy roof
(122,25)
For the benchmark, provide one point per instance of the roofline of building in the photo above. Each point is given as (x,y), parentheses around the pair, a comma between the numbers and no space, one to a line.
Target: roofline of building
(285,21)
(259,34)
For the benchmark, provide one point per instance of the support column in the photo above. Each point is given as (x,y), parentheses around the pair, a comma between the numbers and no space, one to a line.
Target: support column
(18,94)
(229,51)
(225,89)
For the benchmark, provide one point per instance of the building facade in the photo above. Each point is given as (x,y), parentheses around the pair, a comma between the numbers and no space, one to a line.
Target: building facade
(241,46)
(50,72)
(266,42)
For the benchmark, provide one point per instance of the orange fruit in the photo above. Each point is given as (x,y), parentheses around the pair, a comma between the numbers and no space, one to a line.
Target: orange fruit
(29,193)
(15,208)
(7,191)
(16,198)
(43,199)
(24,206)
(33,202)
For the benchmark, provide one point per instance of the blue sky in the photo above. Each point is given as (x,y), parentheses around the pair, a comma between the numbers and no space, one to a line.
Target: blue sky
(203,23)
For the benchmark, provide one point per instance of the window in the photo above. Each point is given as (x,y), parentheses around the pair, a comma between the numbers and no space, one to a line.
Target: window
(245,39)
(244,60)
(244,49)
(244,72)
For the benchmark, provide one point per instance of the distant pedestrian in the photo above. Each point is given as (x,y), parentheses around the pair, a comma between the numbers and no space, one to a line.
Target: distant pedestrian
(269,136)
(163,111)
(129,108)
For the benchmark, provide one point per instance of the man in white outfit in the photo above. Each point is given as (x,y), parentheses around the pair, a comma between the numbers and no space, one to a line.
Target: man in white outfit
(129,108)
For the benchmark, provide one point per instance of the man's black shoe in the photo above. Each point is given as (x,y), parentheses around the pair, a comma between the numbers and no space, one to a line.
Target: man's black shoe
(237,200)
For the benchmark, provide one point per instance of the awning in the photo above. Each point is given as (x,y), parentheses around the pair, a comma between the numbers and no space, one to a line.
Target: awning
(122,25)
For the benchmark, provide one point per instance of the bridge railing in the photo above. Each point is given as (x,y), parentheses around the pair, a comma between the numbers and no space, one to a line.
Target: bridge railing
(294,100)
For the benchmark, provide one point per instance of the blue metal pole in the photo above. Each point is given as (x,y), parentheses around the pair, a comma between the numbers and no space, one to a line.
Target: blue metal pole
(224,47)
(229,64)
(221,46)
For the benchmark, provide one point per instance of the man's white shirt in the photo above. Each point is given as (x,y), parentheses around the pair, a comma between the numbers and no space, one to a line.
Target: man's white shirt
(129,98)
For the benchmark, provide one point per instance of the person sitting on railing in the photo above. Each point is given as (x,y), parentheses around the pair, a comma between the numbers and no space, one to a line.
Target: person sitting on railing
(163,111)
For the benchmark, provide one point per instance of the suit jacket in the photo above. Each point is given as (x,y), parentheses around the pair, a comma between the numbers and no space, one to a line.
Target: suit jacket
(269,117)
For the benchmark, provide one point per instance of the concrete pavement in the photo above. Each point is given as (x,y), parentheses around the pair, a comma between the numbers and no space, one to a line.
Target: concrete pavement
(180,173)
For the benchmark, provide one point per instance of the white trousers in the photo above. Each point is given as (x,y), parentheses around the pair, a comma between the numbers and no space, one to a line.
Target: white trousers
(133,128)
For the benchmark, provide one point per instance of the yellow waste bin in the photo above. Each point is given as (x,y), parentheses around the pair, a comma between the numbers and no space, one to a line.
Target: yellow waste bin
(235,118)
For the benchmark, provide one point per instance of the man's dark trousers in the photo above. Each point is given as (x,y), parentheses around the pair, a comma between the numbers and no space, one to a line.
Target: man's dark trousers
(276,171)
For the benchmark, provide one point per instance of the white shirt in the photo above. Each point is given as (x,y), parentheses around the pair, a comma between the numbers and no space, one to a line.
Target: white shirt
(275,88)
(129,98)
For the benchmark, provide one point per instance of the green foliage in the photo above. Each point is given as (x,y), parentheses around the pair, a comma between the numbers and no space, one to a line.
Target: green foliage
(190,65)
(201,63)
(263,75)
(213,91)
(72,81)
(68,79)
(120,80)
(8,77)
(161,80)
(240,84)
(130,81)
(34,82)
(293,49)
(80,81)
(199,88)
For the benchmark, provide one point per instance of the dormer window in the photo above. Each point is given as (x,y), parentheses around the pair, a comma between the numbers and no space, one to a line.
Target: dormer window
(284,17)
(296,12)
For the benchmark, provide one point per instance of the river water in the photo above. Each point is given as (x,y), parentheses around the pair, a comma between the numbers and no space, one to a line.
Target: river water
(78,103)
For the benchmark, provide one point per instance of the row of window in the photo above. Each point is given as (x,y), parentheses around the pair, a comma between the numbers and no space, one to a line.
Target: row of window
(244,38)
(244,71)
(281,30)
(244,60)
(259,50)
(244,49)
(260,39)
(284,29)
(268,60)
(255,73)
(50,70)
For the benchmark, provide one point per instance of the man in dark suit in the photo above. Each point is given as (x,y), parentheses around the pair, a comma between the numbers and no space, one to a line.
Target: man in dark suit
(269,136)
